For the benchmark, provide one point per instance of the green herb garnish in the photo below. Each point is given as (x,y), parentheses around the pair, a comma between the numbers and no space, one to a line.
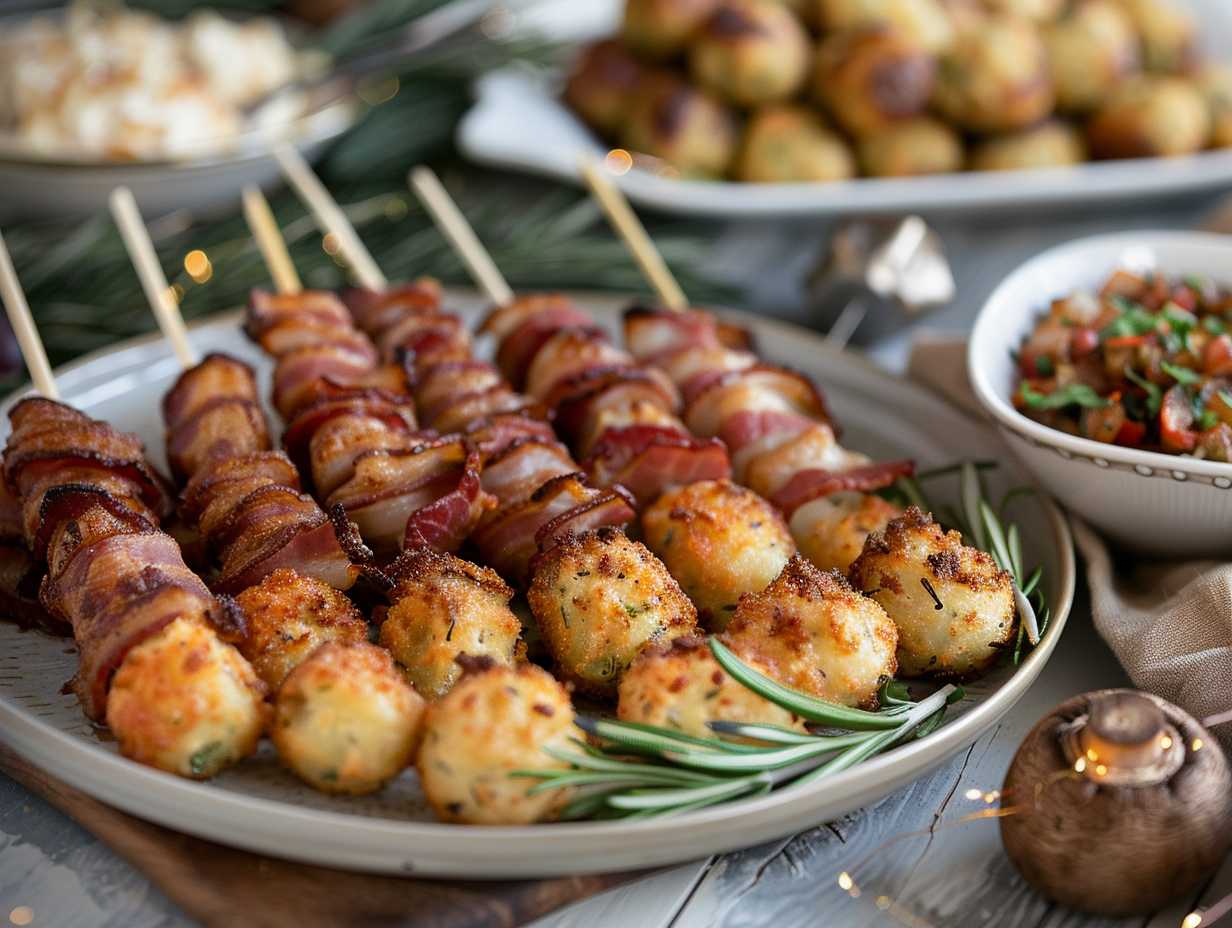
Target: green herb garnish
(1074,394)
(1182,375)
(1207,420)
(1154,394)
(1044,366)
(201,763)
(1214,325)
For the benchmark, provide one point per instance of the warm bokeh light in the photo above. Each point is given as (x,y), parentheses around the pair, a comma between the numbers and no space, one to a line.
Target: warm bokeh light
(22,915)
(1192,920)
(330,244)
(198,266)
(618,161)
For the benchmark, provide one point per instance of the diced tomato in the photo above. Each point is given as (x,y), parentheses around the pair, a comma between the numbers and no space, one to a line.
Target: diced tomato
(1131,434)
(1185,298)
(1126,341)
(1217,356)
(1084,342)
(1176,421)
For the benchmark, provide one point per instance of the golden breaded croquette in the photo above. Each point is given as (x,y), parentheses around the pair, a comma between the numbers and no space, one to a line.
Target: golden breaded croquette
(185,702)
(599,597)
(816,634)
(288,616)
(494,721)
(954,607)
(679,684)
(831,530)
(442,607)
(719,541)
(345,720)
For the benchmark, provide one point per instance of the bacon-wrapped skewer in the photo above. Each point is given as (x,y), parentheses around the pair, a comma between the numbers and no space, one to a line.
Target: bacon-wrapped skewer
(244,498)
(352,428)
(90,510)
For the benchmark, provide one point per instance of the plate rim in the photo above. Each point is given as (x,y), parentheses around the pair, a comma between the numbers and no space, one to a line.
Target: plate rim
(437,849)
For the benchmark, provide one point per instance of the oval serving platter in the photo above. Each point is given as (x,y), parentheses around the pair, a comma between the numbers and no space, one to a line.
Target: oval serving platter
(259,807)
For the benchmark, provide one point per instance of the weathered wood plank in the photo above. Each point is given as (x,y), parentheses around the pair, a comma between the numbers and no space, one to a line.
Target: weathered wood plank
(649,903)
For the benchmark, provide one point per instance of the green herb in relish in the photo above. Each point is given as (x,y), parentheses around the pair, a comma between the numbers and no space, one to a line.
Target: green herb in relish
(1180,319)
(1214,325)
(1044,366)
(1195,282)
(1074,394)
(1133,321)
(1154,395)
(1181,375)
(1208,420)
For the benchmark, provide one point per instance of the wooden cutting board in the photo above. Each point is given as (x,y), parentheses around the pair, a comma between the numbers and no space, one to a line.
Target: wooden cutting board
(221,886)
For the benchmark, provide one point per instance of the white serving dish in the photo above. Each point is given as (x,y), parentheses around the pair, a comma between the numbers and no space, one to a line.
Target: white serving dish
(258,806)
(46,187)
(1153,503)
(519,122)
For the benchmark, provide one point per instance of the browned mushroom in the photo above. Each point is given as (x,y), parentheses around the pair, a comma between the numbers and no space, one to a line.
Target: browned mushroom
(1124,802)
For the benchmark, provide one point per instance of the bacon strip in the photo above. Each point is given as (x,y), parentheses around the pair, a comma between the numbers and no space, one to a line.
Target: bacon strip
(807,485)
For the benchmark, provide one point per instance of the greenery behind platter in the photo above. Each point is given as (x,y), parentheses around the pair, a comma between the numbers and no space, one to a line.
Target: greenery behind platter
(85,294)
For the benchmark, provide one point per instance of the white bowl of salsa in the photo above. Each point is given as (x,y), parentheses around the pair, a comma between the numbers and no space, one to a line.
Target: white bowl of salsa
(1153,483)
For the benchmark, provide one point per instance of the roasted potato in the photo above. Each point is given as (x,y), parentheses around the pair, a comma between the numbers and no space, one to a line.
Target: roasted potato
(1048,145)
(287,617)
(719,541)
(787,144)
(185,702)
(872,78)
(918,146)
(750,52)
(831,530)
(1215,82)
(1092,49)
(660,29)
(494,721)
(598,599)
(816,634)
(345,720)
(995,77)
(1168,34)
(1151,117)
(680,685)
(602,86)
(443,607)
(954,607)
(689,129)
(927,22)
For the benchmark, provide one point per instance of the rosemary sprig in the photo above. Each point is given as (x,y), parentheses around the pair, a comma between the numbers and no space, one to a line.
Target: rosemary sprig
(639,771)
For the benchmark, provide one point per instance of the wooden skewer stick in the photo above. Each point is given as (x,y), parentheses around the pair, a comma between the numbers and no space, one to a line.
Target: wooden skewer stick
(269,239)
(453,225)
(330,217)
(634,234)
(23,327)
(153,281)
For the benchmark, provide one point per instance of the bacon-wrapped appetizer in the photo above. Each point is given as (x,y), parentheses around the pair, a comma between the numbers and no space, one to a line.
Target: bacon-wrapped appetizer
(244,499)
(152,664)
(540,492)
(352,428)
(776,426)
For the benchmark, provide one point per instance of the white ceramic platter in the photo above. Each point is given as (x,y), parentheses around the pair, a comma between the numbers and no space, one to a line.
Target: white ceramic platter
(259,807)
(518,122)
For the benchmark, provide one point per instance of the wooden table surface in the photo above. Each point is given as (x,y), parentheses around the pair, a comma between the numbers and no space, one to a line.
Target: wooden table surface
(907,853)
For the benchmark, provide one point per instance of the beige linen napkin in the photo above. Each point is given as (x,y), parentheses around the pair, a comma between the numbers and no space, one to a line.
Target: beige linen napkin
(1169,623)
